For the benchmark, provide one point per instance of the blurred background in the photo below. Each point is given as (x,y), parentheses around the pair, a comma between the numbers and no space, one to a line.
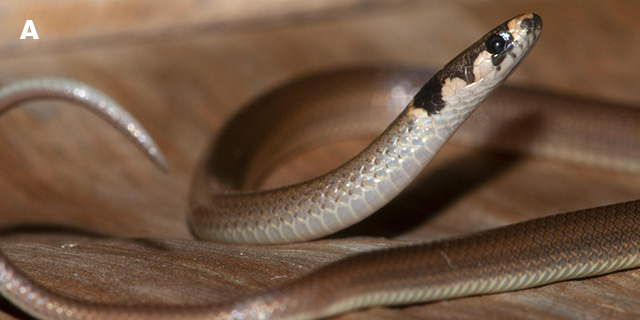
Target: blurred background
(589,47)
(184,67)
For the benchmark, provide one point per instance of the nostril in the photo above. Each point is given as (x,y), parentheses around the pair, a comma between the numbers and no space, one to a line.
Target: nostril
(533,24)
(537,22)
(527,24)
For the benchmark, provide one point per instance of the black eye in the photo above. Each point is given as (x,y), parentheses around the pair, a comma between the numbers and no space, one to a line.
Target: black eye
(495,44)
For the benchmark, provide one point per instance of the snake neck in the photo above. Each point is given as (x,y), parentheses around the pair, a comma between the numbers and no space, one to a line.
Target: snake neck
(334,200)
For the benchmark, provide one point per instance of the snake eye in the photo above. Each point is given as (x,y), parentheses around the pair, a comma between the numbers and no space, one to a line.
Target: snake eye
(495,44)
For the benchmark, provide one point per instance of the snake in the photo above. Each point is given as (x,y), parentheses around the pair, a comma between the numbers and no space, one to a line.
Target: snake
(224,207)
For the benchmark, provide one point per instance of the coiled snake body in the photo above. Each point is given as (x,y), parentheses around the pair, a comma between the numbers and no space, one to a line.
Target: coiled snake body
(532,253)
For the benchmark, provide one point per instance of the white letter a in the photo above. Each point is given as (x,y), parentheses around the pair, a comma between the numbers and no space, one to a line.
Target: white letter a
(29,30)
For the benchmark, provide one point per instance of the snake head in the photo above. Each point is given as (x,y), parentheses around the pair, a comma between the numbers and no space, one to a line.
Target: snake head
(503,48)
(482,67)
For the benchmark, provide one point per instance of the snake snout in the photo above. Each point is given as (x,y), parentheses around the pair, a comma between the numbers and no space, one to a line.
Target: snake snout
(532,23)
